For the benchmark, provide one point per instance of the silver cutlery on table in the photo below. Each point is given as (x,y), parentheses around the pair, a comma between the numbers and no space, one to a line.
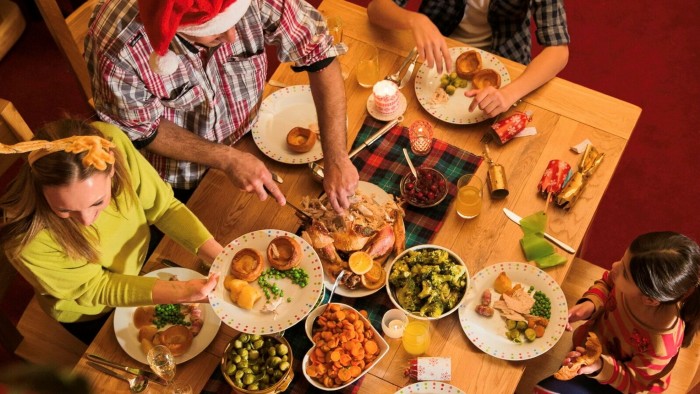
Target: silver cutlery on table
(134,371)
(396,77)
(136,384)
(409,72)
(277,84)
(317,169)
(516,218)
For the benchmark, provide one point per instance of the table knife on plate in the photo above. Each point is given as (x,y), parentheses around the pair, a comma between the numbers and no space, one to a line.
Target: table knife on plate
(516,218)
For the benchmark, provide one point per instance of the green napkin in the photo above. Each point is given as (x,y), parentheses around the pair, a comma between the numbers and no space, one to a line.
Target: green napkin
(533,243)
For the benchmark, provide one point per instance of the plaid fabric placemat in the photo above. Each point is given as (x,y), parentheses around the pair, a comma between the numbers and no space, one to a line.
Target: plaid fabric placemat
(383,164)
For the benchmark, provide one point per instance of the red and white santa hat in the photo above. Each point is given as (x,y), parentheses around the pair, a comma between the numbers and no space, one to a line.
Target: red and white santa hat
(163,18)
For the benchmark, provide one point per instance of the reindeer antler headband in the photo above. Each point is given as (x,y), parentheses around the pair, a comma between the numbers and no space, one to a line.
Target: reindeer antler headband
(98,154)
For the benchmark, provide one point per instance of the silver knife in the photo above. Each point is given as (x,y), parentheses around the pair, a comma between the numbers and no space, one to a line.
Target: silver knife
(152,376)
(514,217)
(409,72)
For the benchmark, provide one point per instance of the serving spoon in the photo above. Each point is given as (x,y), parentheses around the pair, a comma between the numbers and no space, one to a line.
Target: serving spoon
(410,164)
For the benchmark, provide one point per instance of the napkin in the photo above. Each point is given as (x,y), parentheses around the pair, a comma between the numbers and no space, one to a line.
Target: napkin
(430,368)
(383,164)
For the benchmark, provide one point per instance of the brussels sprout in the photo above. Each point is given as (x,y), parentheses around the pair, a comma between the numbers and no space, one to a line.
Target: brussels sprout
(450,89)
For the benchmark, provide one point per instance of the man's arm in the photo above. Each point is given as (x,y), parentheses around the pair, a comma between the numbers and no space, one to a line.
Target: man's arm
(341,178)
(243,169)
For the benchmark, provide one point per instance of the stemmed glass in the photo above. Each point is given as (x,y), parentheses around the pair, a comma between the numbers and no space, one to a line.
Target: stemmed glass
(335,28)
(162,362)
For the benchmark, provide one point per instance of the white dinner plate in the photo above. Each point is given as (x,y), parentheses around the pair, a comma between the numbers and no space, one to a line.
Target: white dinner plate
(488,333)
(255,321)
(456,109)
(127,334)
(380,197)
(280,112)
(430,387)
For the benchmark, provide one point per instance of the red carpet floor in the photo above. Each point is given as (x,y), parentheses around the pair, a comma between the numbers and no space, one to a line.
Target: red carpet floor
(640,52)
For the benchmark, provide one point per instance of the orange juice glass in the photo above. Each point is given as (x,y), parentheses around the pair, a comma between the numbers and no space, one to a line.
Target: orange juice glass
(416,337)
(469,192)
(368,68)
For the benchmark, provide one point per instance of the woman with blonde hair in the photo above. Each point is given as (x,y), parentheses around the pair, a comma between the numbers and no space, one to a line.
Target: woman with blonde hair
(75,224)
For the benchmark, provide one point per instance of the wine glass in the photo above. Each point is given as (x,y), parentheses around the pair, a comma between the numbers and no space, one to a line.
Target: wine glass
(335,29)
(162,362)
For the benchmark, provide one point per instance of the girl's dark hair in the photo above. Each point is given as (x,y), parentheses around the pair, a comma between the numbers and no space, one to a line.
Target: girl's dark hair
(666,267)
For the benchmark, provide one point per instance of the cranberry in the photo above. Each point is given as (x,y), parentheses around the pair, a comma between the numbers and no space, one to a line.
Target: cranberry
(441,182)
(431,196)
(409,186)
(419,194)
(433,187)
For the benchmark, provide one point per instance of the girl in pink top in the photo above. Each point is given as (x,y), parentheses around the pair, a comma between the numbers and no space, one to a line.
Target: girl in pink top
(643,310)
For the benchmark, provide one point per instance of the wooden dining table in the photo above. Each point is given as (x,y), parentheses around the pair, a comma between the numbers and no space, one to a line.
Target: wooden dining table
(564,115)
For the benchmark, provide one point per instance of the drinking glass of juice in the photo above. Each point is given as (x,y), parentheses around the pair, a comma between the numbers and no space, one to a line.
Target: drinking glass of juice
(368,68)
(416,337)
(469,192)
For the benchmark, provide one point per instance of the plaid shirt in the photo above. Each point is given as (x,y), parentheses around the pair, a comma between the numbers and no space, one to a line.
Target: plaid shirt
(215,93)
(510,23)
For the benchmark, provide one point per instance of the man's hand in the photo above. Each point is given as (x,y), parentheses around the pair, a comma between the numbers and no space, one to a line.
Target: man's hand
(250,174)
(431,44)
(490,100)
(340,181)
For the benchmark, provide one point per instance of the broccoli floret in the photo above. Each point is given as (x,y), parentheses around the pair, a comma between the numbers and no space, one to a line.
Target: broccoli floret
(457,272)
(452,300)
(432,309)
(406,295)
(399,273)
(427,289)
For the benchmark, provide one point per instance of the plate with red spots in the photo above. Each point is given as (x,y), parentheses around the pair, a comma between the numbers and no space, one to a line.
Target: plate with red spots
(293,305)
(430,387)
(489,333)
(455,108)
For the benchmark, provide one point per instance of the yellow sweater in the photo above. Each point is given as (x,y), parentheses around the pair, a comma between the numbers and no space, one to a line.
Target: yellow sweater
(77,290)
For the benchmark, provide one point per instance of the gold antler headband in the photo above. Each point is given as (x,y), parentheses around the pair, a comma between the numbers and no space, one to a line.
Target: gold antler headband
(98,154)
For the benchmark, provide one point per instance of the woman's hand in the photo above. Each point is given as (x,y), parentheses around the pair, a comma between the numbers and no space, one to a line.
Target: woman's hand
(178,292)
(582,311)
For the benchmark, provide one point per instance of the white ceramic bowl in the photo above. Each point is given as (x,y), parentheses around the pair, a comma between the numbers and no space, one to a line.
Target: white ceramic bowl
(310,318)
(390,288)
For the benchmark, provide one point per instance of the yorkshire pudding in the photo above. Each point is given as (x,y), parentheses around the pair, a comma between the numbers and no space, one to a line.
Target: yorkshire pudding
(593,351)
(247,264)
(143,316)
(284,253)
(467,64)
(301,139)
(486,77)
(177,338)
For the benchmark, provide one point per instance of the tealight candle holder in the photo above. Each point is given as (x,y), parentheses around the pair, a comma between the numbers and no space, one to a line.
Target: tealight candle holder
(394,322)
(386,97)
(420,136)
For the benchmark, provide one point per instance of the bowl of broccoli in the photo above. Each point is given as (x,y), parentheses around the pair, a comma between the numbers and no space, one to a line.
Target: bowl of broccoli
(427,281)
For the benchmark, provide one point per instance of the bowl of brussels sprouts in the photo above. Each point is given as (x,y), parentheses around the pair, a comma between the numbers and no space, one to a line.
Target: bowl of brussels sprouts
(258,364)
(427,281)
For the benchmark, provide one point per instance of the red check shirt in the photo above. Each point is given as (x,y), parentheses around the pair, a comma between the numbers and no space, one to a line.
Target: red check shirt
(215,92)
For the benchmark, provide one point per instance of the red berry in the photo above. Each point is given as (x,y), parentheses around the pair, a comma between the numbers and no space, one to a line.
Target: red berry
(409,186)
(431,196)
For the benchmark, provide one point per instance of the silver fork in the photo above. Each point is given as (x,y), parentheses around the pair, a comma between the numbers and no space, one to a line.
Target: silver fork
(396,77)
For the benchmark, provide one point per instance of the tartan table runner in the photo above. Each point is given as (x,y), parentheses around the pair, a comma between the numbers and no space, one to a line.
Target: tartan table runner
(383,164)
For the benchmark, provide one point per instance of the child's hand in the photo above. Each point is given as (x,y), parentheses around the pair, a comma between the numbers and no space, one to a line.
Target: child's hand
(582,311)
(585,369)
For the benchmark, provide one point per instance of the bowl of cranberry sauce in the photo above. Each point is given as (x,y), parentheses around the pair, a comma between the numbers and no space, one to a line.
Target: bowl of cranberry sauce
(427,191)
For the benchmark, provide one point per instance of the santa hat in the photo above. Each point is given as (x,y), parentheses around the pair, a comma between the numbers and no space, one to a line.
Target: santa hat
(163,18)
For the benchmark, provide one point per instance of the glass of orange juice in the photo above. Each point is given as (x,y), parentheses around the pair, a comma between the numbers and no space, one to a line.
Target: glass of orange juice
(469,192)
(368,68)
(416,337)
(335,28)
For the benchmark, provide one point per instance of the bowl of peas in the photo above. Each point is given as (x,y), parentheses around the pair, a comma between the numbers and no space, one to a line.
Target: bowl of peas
(258,364)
